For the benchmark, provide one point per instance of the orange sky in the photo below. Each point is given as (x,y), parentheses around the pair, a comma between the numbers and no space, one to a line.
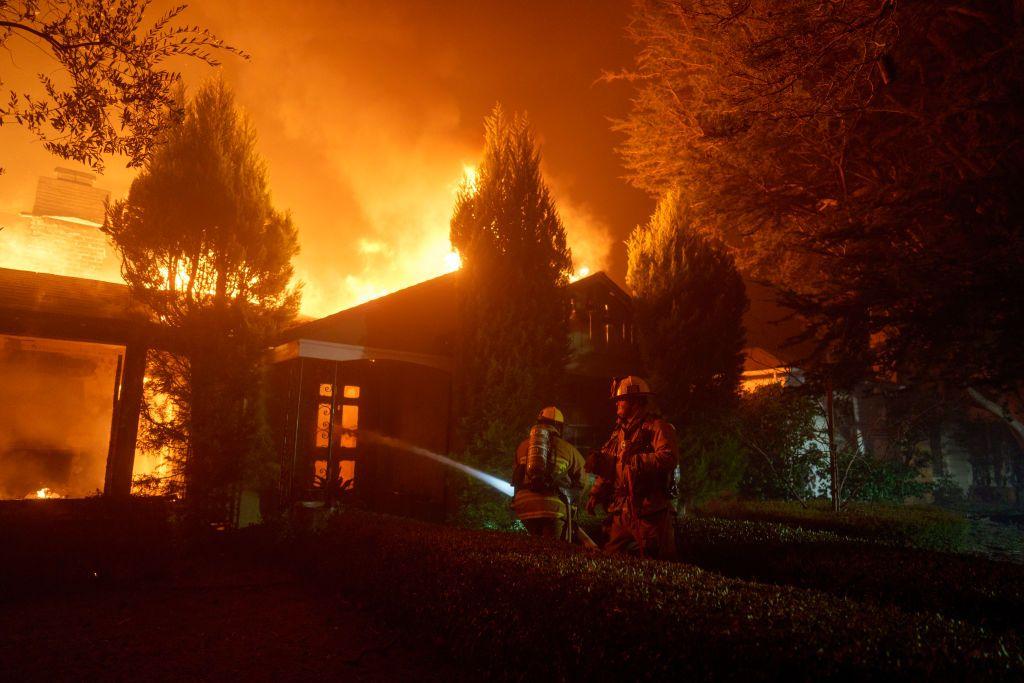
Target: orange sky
(368,113)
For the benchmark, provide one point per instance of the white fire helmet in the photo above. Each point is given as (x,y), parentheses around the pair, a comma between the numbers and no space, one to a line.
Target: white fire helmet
(630,387)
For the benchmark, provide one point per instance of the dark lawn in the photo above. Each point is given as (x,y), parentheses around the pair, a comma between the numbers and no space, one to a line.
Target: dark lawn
(230,624)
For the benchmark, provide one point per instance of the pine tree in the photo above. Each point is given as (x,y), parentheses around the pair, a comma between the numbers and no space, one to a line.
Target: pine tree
(209,257)
(513,331)
(689,302)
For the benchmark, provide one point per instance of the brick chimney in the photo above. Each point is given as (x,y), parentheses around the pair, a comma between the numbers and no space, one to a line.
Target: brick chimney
(61,235)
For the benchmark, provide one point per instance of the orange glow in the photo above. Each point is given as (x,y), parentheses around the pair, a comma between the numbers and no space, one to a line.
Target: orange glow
(469,178)
(349,425)
(183,278)
(419,249)
(47,493)
(579,273)
(452,261)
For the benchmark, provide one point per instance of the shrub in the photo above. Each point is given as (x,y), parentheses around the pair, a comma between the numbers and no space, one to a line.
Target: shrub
(777,425)
(921,525)
(521,608)
(946,492)
(57,545)
(884,481)
(480,507)
(711,461)
(988,592)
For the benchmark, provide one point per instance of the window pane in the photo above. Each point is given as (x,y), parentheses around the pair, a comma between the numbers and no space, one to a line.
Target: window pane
(347,470)
(351,392)
(349,424)
(323,424)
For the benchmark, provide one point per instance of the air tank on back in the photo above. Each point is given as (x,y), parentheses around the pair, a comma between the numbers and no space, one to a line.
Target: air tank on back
(539,455)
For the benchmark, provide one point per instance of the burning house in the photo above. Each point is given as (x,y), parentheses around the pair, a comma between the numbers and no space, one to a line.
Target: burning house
(72,349)
(72,359)
(351,392)
(384,369)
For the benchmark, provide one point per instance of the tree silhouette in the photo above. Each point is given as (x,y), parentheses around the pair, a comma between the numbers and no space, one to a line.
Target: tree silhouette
(866,158)
(207,254)
(689,301)
(112,93)
(513,332)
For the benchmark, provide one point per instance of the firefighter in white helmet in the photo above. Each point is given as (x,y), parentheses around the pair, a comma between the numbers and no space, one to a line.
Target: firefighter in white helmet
(635,472)
(548,477)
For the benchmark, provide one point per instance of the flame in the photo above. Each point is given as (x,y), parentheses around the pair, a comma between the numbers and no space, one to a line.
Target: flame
(182,277)
(452,260)
(579,273)
(46,492)
(470,178)
(410,244)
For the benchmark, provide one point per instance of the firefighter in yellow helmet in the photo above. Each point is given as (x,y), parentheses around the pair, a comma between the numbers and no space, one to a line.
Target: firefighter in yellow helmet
(635,472)
(548,477)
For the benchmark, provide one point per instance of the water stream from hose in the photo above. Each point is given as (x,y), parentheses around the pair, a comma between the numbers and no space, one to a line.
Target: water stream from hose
(390,441)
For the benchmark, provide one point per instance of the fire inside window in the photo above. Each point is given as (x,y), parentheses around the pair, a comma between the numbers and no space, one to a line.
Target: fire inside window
(349,423)
(344,436)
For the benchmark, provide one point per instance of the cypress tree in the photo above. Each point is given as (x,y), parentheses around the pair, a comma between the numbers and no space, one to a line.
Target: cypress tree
(689,301)
(513,332)
(206,253)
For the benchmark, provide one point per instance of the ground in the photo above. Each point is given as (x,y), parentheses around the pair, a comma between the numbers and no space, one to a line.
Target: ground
(97,590)
(225,622)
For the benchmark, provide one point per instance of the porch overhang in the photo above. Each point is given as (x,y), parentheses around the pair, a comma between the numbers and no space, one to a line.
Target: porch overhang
(333,351)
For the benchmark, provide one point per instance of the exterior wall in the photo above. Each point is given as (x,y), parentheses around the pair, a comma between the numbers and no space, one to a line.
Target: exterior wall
(399,400)
(601,330)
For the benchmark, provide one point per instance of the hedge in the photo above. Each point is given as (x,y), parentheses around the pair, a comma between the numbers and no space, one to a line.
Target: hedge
(516,607)
(989,593)
(924,526)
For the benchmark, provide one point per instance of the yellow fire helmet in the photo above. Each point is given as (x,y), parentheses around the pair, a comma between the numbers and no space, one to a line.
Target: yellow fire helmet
(551,414)
(630,386)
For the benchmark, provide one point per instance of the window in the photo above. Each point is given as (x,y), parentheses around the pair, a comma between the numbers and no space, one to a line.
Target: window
(349,425)
(323,425)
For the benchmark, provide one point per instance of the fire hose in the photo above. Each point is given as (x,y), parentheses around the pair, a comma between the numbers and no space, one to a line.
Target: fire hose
(572,532)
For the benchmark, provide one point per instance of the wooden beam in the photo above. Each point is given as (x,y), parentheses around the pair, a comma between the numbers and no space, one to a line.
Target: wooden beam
(121,462)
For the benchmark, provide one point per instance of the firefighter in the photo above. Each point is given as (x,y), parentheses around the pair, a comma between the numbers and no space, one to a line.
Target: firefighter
(548,478)
(635,475)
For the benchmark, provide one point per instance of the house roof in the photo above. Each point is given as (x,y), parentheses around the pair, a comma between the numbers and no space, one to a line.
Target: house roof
(601,279)
(422,319)
(61,307)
